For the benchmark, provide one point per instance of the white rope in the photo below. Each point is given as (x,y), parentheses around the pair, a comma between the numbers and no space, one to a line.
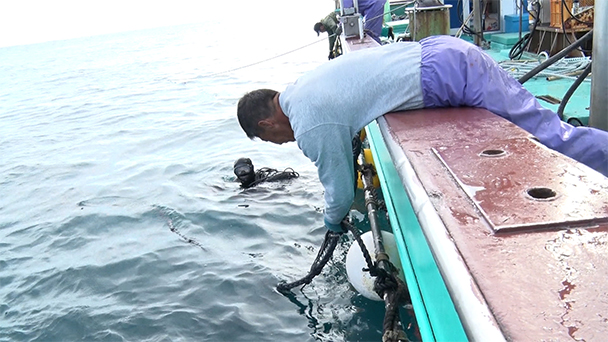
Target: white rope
(291,51)
(564,68)
(262,61)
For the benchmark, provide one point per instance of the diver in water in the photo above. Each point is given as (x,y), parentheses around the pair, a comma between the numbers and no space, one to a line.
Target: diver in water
(246,174)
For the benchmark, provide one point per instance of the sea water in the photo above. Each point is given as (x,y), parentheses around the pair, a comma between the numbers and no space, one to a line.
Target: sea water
(120,216)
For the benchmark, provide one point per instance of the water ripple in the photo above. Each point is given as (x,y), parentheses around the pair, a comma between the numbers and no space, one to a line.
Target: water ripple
(120,216)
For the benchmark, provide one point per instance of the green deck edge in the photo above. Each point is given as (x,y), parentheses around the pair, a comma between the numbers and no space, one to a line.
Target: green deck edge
(435,312)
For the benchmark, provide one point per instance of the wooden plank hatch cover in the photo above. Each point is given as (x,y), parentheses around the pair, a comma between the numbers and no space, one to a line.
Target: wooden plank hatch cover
(515,182)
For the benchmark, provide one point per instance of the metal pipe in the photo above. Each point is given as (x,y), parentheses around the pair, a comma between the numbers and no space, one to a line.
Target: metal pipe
(521,19)
(598,117)
(361,34)
(477,24)
(381,257)
(370,205)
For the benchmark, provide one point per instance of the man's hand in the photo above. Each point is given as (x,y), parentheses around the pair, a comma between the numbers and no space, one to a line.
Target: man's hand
(339,31)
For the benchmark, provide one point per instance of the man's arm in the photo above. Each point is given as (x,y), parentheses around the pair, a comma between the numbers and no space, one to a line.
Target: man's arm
(329,146)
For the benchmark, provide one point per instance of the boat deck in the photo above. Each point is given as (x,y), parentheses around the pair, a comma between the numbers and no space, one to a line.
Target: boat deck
(518,232)
(538,259)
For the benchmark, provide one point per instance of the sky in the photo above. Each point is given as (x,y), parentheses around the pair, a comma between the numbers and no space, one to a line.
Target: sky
(34,21)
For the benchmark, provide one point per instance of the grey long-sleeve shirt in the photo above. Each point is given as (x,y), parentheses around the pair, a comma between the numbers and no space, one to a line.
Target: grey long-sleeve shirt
(329,105)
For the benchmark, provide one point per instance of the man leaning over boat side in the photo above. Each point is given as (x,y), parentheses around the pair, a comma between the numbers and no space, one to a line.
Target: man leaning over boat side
(330,24)
(324,109)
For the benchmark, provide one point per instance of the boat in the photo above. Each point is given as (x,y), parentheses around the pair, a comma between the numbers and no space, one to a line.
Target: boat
(499,237)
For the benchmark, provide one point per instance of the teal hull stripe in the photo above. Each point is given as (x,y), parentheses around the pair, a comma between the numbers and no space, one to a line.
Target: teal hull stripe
(435,313)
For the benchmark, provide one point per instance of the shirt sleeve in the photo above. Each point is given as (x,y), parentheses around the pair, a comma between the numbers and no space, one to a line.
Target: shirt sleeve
(329,146)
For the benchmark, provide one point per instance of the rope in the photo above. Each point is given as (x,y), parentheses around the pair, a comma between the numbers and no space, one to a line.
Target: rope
(563,68)
(167,213)
(290,51)
(388,286)
(556,57)
(267,174)
(387,280)
(325,253)
(368,169)
(262,61)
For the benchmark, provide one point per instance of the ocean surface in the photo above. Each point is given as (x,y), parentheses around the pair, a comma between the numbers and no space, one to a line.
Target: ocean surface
(120,216)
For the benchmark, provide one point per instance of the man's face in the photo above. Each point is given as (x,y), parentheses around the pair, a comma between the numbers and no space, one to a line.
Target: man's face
(278,134)
(276,129)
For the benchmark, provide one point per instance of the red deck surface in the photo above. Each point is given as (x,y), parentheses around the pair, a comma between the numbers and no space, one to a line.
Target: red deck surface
(530,223)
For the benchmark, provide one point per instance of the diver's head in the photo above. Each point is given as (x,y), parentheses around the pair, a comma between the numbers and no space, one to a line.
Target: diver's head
(244,171)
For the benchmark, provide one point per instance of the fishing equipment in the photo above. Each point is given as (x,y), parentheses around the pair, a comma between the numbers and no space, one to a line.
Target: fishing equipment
(351,20)
(246,174)
(386,284)
(362,280)
(556,57)
(323,256)
(368,156)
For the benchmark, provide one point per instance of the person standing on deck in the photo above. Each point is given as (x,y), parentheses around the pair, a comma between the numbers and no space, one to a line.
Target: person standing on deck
(331,25)
(373,13)
(324,109)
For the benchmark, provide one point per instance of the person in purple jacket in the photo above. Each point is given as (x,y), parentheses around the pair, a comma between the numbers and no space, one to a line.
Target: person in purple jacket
(372,11)
(324,109)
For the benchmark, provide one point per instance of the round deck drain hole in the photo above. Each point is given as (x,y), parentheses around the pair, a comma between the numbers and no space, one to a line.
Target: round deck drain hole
(493,153)
(542,194)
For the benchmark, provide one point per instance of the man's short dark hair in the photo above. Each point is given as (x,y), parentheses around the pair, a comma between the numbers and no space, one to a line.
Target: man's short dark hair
(252,108)
(318,28)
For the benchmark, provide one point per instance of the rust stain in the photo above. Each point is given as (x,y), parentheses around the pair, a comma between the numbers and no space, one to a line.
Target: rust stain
(568,287)
(571,331)
(566,290)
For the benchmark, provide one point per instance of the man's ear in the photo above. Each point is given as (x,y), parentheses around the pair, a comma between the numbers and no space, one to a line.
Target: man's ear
(266,123)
